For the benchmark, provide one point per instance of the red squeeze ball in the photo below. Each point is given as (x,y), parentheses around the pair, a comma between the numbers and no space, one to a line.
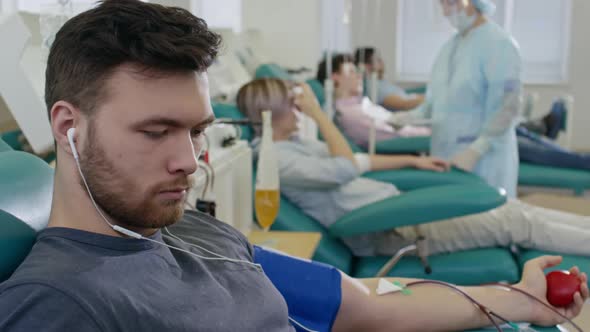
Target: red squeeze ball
(561,287)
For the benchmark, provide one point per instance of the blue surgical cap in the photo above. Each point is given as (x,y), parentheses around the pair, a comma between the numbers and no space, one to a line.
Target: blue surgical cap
(486,7)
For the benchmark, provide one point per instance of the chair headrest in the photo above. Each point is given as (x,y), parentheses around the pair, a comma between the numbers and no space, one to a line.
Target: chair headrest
(16,241)
(222,110)
(272,70)
(12,139)
(318,90)
(26,188)
(4,146)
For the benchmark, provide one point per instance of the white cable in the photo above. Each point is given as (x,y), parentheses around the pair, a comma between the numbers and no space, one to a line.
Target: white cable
(223,257)
(220,258)
(190,244)
(197,246)
(138,236)
(203,165)
(88,189)
(212,174)
(301,325)
(209,251)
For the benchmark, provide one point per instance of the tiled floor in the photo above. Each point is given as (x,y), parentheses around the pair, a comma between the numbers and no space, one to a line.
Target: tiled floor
(559,202)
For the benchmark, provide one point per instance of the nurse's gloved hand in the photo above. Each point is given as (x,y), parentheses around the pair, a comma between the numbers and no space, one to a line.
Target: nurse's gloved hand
(466,159)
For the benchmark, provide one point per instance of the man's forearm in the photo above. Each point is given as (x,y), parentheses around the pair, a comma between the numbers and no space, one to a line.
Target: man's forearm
(437,308)
(402,104)
(427,308)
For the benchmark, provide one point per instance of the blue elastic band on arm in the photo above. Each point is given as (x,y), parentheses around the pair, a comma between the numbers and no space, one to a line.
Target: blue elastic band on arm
(312,290)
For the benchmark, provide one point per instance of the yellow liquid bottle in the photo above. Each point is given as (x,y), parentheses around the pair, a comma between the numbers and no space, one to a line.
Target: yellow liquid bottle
(267,196)
(266,205)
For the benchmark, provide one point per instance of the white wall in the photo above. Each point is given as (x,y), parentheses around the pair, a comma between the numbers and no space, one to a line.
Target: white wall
(7,121)
(335,33)
(291,31)
(579,70)
(579,82)
(192,5)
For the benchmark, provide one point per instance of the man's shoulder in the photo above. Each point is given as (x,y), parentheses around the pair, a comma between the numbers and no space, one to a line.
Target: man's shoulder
(47,278)
(32,305)
(38,288)
(49,263)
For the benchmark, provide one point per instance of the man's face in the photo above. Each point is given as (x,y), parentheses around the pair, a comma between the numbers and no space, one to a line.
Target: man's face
(348,79)
(143,143)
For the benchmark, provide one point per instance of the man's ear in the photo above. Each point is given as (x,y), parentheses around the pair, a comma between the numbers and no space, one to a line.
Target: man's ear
(63,117)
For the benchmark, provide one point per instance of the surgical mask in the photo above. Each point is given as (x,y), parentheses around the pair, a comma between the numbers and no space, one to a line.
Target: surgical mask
(460,21)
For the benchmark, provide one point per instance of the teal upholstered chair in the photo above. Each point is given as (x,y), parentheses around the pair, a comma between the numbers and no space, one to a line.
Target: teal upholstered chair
(4,146)
(468,196)
(332,251)
(553,177)
(26,185)
(272,70)
(11,138)
(529,174)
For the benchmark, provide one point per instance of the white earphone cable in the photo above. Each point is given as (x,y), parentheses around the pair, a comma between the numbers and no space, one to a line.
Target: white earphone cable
(135,235)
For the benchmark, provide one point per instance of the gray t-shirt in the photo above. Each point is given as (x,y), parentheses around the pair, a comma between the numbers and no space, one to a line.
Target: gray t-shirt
(79,281)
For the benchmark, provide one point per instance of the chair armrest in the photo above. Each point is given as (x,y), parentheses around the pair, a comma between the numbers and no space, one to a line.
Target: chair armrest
(418,207)
(401,145)
(411,179)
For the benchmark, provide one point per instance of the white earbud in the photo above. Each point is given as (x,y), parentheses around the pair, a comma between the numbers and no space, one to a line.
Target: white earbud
(70,135)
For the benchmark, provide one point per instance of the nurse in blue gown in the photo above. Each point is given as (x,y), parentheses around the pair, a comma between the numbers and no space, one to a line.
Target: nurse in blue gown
(473,96)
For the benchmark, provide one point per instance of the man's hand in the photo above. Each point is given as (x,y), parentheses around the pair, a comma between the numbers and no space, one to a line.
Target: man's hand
(466,159)
(534,282)
(431,164)
(307,102)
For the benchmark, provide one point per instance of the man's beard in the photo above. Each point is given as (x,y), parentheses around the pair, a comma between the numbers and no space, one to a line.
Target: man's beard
(120,198)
